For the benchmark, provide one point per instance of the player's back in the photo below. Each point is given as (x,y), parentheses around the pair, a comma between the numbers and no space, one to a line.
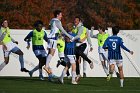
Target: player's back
(113,44)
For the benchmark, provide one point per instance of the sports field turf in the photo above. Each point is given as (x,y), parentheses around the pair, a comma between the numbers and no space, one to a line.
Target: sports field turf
(86,85)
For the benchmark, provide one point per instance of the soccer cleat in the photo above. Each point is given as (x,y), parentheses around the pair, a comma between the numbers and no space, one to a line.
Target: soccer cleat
(91,65)
(58,63)
(109,77)
(74,82)
(61,80)
(30,73)
(84,75)
(41,77)
(24,70)
(78,78)
(121,86)
(117,74)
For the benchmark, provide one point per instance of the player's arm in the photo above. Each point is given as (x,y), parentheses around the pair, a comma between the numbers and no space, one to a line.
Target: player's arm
(45,37)
(58,24)
(91,33)
(89,40)
(80,31)
(28,39)
(125,48)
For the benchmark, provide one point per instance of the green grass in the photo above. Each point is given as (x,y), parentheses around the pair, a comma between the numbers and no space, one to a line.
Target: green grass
(86,85)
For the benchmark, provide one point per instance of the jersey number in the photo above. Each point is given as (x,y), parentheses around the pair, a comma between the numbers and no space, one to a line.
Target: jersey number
(114,45)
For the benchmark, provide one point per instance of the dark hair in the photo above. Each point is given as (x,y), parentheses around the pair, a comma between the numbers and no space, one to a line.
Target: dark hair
(103,28)
(1,21)
(115,30)
(78,18)
(56,12)
(37,23)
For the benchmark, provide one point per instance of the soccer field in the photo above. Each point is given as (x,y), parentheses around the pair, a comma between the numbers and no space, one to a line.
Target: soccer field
(86,85)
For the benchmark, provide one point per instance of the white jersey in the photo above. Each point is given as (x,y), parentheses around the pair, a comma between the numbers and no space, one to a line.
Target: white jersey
(54,28)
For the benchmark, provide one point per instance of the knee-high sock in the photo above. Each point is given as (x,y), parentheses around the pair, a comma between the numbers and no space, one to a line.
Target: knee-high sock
(35,69)
(40,72)
(48,59)
(2,65)
(121,82)
(106,70)
(21,60)
(73,75)
(63,74)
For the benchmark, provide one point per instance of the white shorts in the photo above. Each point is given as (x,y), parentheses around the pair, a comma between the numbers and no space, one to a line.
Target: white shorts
(70,58)
(52,44)
(40,52)
(7,52)
(117,62)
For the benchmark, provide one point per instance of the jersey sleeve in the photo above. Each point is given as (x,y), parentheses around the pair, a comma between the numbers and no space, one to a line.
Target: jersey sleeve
(122,45)
(105,46)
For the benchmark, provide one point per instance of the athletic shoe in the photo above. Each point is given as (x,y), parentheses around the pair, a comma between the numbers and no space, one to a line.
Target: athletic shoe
(78,78)
(41,77)
(84,75)
(58,63)
(24,70)
(109,77)
(91,65)
(61,80)
(117,74)
(30,73)
(74,82)
(121,86)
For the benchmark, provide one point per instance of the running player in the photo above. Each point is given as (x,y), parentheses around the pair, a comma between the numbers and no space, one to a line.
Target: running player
(11,46)
(114,45)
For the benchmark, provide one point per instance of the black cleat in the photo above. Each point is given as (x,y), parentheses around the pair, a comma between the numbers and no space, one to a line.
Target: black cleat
(84,75)
(24,70)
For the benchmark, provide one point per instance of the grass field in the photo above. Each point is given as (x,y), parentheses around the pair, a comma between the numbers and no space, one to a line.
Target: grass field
(86,85)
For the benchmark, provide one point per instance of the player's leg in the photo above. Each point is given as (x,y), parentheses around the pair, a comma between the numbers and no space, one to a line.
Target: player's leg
(17,51)
(85,62)
(6,59)
(73,70)
(111,69)
(51,46)
(102,59)
(80,51)
(120,67)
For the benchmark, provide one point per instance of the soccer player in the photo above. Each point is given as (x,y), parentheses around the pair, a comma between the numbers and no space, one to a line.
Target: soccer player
(101,36)
(61,48)
(81,32)
(69,57)
(114,44)
(11,46)
(37,36)
(56,26)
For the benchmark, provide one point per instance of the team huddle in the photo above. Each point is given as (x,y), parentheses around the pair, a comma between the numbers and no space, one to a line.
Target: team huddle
(72,44)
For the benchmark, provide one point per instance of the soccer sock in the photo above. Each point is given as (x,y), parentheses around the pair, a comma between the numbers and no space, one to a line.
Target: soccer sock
(2,65)
(121,82)
(48,59)
(35,69)
(106,70)
(84,66)
(21,60)
(63,74)
(73,75)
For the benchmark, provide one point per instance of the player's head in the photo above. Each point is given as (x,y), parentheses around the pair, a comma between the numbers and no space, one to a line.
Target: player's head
(58,14)
(4,23)
(101,28)
(115,30)
(77,20)
(69,27)
(38,25)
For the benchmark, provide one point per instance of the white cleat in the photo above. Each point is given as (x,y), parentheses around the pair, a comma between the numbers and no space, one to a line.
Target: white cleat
(74,83)
(61,80)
